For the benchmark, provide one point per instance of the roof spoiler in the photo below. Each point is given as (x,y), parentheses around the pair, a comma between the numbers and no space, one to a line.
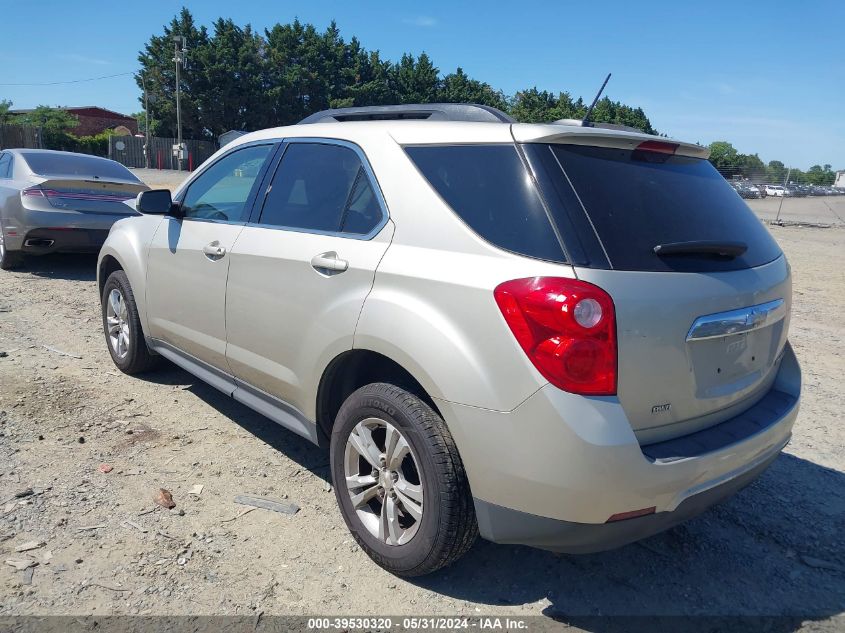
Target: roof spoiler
(600,135)
(412,111)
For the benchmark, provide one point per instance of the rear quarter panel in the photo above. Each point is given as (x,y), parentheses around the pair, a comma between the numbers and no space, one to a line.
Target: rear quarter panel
(432,309)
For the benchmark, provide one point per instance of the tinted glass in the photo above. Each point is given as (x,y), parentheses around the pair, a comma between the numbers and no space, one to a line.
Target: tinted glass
(490,189)
(222,190)
(47,164)
(5,165)
(637,200)
(321,187)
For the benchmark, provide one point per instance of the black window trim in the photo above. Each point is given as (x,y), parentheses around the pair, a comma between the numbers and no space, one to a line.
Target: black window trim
(566,261)
(253,192)
(368,170)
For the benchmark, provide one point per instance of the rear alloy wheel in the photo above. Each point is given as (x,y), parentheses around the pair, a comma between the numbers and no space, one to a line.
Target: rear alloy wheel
(383,481)
(122,327)
(400,482)
(8,259)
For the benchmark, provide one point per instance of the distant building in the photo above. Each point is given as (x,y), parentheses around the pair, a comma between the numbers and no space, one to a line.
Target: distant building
(94,119)
(840,180)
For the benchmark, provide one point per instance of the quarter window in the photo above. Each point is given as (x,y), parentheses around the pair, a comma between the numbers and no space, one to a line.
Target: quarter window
(221,191)
(321,187)
(488,187)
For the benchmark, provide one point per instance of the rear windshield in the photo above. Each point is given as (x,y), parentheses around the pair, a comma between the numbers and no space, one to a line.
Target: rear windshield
(637,200)
(490,189)
(76,165)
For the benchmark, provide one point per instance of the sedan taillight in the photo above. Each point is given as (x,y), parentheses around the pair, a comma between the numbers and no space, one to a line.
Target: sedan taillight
(567,328)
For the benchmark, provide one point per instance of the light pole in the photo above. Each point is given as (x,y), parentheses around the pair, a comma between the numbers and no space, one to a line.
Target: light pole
(179,50)
(146,121)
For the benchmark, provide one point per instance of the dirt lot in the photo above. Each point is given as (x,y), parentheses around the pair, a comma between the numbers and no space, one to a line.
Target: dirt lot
(777,548)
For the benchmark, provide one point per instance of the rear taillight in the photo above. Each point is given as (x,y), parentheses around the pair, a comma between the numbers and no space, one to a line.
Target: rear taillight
(35,192)
(567,328)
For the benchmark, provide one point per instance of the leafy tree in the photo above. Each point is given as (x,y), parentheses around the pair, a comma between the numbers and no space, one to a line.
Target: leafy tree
(5,106)
(55,126)
(724,156)
(159,72)
(417,80)
(457,87)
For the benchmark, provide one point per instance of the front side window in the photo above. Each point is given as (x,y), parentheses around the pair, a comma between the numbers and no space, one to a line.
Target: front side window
(321,187)
(221,191)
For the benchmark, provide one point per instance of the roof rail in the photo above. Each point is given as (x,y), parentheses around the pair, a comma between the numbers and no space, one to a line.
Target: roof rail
(414,111)
(603,126)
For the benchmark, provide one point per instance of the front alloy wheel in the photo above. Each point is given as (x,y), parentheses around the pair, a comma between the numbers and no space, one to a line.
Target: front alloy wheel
(116,321)
(122,327)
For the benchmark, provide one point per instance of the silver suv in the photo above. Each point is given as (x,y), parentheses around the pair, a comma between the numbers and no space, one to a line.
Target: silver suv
(565,336)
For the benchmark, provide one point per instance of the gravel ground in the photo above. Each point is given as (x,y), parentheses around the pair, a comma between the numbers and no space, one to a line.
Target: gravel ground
(103,547)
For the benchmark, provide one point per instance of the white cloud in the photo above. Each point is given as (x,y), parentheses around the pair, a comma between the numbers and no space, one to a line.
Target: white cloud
(421,20)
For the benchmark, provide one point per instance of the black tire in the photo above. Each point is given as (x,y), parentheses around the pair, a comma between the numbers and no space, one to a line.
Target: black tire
(448,527)
(138,357)
(9,260)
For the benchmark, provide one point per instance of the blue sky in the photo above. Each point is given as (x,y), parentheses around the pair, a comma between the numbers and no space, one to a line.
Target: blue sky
(768,76)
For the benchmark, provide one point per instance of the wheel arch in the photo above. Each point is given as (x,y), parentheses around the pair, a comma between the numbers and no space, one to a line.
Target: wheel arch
(353,369)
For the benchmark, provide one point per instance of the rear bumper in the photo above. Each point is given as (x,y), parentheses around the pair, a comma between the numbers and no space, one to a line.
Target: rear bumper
(552,472)
(40,232)
(503,525)
(42,241)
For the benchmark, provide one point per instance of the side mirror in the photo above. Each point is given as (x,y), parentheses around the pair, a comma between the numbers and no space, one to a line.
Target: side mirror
(154,202)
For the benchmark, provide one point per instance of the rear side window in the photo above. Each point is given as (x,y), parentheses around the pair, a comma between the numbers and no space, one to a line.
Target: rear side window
(637,200)
(321,187)
(490,189)
(49,164)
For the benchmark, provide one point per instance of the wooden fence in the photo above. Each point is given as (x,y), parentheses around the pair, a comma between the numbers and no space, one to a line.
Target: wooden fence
(19,136)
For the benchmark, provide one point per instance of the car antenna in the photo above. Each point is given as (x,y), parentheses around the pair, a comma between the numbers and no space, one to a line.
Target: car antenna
(585,122)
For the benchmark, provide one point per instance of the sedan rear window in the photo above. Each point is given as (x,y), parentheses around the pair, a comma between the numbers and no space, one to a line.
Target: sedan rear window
(637,200)
(489,188)
(49,164)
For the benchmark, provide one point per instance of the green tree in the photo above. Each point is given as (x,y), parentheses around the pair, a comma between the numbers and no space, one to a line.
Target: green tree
(417,79)
(5,106)
(724,156)
(55,126)
(457,87)
(159,72)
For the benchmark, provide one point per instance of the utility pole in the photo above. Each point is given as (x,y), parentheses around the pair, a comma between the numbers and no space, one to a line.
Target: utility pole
(146,121)
(179,50)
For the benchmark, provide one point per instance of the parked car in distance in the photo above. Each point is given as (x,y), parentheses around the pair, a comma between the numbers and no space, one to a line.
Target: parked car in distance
(748,190)
(59,202)
(570,337)
(775,190)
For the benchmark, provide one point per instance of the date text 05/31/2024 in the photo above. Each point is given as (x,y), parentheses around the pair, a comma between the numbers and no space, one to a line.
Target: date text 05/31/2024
(417,623)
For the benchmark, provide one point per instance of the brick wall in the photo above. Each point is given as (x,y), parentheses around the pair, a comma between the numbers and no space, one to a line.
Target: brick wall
(93,121)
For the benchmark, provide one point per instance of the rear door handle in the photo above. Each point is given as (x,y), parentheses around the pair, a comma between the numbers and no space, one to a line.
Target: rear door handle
(214,251)
(329,262)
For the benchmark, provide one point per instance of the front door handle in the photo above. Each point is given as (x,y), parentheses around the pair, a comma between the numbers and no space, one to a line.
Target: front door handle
(214,251)
(329,262)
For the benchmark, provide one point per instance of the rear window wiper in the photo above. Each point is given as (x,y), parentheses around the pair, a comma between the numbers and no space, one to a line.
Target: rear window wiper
(702,247)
